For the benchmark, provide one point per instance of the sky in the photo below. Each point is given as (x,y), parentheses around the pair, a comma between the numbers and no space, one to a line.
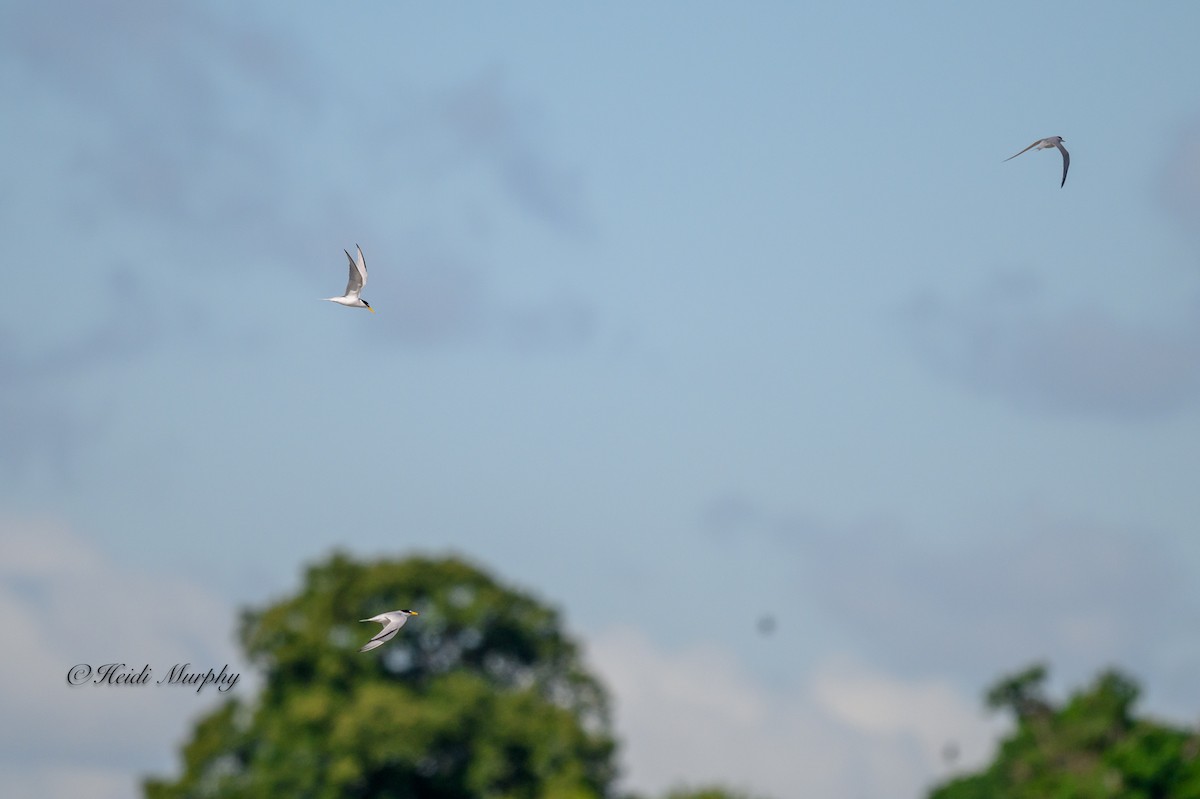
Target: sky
(688,315)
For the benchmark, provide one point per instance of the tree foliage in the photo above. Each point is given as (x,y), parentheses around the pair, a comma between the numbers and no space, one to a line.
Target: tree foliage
(1091,747)
(482,695)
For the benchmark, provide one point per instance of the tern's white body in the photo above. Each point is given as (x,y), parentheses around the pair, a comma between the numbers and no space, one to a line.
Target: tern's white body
(1046,144)
(358,279)
(392,621)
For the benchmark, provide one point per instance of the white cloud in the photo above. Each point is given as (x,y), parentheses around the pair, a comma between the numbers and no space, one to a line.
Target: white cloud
(930,711)
(696,716)
(62,603)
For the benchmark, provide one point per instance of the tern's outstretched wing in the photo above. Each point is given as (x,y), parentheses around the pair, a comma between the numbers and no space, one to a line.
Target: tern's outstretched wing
(390,628)
(1066,163)
(1027,149)
(361,263)
(357,276)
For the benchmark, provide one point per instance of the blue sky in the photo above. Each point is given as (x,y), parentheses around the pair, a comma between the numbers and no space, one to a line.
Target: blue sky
(687,313)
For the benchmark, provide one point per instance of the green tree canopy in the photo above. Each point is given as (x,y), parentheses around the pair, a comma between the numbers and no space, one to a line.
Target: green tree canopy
(482,695)
(1091,747)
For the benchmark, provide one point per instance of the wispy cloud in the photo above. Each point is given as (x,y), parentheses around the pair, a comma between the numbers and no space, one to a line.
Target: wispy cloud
(41,435)
(431,297)
(162,132)
(1032,585)
(560,323)
(488,125)
(243,148)
(44,420)
(1080,361)
(126,330)
(1181,176)
(1074,590)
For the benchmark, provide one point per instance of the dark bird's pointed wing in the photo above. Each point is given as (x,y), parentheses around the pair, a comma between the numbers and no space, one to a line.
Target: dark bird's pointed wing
(1066,163)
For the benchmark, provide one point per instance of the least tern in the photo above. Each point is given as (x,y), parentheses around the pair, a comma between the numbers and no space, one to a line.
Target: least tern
(358,279)
(1046,144)
(392,622)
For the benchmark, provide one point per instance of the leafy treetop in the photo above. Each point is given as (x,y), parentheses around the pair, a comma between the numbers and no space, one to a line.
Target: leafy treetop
(1091,747)
(482,695)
